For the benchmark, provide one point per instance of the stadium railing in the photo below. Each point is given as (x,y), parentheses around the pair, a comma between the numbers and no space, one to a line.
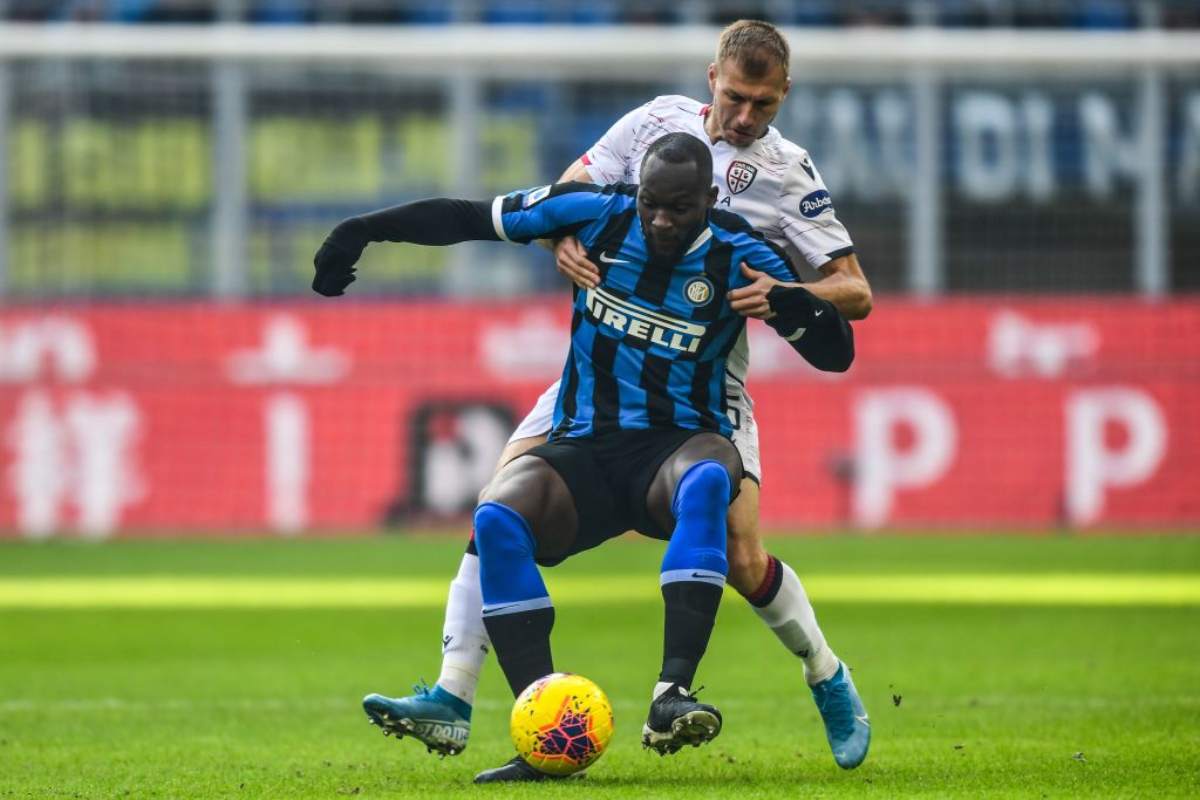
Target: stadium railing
(920,130)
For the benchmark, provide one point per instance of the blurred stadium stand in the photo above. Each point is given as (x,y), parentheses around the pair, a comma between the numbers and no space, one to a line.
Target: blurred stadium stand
(1095,14)
(1001,176)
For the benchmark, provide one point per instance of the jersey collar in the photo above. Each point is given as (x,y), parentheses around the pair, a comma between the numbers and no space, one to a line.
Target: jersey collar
(699,241)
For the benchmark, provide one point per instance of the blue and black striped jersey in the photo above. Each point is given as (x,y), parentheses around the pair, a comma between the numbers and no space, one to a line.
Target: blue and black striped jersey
(649,344)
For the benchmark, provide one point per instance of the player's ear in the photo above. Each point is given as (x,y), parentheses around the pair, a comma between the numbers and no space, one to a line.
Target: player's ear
(713,194)
(787,87)
(712,77)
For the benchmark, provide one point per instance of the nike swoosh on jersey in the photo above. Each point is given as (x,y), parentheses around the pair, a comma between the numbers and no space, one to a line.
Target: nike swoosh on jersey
(609,260)
(818,312)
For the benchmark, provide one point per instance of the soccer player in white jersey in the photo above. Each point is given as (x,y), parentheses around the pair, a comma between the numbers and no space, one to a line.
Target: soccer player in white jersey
(773,183)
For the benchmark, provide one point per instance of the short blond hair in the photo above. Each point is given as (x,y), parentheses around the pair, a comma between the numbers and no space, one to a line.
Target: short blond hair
(755,46)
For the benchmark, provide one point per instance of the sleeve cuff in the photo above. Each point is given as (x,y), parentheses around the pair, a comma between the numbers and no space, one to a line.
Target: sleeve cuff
(844,251)
(594,170)
(498,219)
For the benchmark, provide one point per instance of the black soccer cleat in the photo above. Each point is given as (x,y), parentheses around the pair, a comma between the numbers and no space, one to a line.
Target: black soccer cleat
(676,719)
(518,771)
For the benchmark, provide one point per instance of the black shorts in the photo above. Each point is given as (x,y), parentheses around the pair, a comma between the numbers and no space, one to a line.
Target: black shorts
(609,477)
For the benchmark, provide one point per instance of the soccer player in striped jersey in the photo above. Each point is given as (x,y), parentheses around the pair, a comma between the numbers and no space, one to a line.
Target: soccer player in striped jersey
(641,439)
(773,183)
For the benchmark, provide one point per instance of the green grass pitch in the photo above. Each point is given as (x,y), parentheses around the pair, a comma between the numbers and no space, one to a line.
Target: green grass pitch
(991,666)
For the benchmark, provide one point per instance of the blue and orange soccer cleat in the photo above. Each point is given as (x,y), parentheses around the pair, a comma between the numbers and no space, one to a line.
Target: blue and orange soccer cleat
(846,725)
(436,718)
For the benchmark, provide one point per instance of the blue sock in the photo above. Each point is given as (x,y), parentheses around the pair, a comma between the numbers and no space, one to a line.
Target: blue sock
(694,569)
(508,576)
(517,611)
(698,543)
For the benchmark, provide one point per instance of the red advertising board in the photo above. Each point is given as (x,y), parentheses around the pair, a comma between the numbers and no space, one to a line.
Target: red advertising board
(339,415)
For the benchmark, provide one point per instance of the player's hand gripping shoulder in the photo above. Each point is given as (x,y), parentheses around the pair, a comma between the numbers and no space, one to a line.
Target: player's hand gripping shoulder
(570,258)
(751,300)
(335,261)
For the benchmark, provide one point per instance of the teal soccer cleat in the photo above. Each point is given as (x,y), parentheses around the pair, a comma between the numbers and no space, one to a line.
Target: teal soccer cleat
(846,723)
(436,718)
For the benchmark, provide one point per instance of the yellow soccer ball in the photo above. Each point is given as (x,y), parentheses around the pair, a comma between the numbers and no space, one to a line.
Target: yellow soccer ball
(561,723)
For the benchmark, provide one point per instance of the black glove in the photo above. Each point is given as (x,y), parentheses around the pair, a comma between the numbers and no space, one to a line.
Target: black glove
(813,327)
(795,307)
(335,260)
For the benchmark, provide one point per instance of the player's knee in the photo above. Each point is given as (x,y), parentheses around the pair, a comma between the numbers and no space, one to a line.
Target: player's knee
(747,565)
(501,532)
(489,489)
(704,489)
(714,447)
(505,472)
(532,489)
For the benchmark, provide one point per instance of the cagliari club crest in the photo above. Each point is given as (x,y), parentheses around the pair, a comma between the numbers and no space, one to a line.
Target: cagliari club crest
(739,176)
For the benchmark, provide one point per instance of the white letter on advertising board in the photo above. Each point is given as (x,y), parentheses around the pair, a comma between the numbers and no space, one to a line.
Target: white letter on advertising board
(39,475)
(882,468)
(104,431)
(287,462)
(81,452)
(1093,466)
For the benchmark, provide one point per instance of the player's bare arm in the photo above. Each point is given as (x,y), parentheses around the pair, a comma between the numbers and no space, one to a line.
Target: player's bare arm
(570,257)
(576,172)
(844,285)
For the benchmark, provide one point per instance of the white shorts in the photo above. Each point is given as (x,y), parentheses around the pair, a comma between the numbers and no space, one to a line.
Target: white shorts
(540,420)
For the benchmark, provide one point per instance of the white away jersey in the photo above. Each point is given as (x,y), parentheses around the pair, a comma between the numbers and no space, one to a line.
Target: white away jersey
(772,182)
